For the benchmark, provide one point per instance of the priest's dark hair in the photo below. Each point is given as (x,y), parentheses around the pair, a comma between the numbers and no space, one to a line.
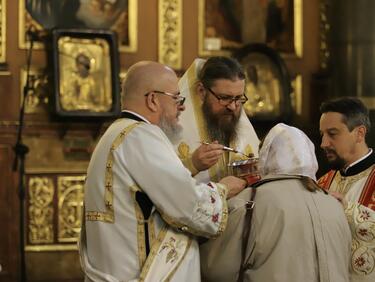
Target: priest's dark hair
(220,67)
(354,112)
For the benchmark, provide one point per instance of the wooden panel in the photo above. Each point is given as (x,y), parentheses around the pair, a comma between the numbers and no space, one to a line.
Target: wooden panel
(8,218)
(54,267)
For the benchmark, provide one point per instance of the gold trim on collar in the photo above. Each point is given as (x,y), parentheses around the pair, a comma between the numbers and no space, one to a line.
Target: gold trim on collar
(345,183)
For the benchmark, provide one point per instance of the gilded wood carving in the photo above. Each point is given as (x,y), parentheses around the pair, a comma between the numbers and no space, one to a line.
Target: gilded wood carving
(170,32)
(70,206)
(55,206)
(40,210)
(2,31)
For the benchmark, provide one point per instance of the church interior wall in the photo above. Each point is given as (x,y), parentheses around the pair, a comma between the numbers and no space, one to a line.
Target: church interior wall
(60,150)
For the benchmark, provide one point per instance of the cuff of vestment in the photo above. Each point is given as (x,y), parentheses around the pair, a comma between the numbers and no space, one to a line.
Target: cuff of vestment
(188,163)
(223,190)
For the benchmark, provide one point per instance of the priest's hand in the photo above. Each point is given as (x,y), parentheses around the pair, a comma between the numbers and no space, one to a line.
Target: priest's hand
(206,155)
(234,184)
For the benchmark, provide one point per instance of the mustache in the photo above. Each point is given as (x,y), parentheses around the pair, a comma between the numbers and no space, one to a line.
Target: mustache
(227,111)
(329,151)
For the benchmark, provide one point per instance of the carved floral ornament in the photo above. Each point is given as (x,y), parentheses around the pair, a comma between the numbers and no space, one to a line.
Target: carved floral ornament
(54,211)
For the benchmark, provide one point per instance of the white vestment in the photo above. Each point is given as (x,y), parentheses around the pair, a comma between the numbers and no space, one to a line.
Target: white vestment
(360,214)
(195,132)
(130,158)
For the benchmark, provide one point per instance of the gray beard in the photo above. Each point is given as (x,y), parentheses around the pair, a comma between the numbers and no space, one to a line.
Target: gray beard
(173,131)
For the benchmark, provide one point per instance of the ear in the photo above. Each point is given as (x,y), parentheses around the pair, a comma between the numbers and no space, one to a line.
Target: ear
(152,102)
(361,133)
(201,91)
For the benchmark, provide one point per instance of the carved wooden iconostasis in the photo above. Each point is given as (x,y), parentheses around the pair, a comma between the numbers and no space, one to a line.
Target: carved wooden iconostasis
(173,32)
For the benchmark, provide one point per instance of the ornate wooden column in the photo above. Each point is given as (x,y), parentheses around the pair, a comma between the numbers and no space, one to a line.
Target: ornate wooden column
(352,52)
(352,49)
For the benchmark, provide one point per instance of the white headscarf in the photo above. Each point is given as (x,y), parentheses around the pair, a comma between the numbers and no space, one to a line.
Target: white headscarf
(287,150)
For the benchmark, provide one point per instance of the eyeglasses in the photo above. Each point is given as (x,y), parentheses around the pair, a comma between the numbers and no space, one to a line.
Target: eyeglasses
(180,100)
(227,100)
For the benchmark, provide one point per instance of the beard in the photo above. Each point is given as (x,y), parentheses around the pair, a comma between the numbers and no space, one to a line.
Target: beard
(221,126)
(171,129)
(335,163)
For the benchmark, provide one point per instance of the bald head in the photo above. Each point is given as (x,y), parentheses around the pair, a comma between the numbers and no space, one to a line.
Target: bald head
(146,76)
(153,79)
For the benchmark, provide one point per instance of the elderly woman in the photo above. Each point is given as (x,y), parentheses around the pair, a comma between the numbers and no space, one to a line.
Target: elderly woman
(297,233)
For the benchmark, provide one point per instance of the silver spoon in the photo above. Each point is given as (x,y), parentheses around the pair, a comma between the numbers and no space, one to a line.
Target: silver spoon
(229,149)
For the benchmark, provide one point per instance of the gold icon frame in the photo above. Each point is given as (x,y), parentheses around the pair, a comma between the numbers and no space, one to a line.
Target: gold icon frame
(86,80)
